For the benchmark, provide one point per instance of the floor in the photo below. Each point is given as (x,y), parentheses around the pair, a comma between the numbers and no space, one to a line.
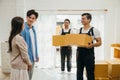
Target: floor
(53,74)
(48,74)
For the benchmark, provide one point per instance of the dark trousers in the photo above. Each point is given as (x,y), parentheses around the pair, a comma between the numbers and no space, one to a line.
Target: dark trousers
(66,52)
(85,58)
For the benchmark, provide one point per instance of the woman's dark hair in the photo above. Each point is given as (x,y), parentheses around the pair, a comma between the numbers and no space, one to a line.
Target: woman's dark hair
(88,15)
(67,20)
(30,12)
(16,28)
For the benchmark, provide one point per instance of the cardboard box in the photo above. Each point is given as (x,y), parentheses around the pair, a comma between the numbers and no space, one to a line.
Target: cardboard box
(81,40)
(116,50)
(114,78)
(101,69)
(115,45)
(107,78)
(59,40)
(114,68)
(102,78)
(116,53)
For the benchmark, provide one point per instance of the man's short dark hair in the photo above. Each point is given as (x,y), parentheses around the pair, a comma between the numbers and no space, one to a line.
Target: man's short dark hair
(88,15)
(67,20)
(32,11)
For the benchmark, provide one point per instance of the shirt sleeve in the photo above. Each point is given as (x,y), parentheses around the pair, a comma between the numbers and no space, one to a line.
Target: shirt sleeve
(96,33)
(60,32)
(23,49)
(23,33)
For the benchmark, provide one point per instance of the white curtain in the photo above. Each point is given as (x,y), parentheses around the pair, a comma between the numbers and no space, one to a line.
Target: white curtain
(45,27)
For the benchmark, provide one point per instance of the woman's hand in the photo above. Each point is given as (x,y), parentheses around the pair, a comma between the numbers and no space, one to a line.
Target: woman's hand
(29,66)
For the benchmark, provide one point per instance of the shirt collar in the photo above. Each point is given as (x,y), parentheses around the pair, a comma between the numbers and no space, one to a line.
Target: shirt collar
(27,26)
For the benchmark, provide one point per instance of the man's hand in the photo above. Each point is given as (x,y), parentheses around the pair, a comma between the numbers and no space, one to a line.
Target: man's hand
(98,43)
(37,59)
(90,45)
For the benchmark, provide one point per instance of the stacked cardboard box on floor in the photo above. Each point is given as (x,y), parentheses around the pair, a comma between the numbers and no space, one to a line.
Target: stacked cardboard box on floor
(101,70)
(116,51)
(114,69)
(115,45)
(101,78)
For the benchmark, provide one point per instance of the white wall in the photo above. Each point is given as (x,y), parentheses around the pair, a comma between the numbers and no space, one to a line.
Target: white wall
(66,4)
(117,22)
(112,16)
(9,8)
(7,11)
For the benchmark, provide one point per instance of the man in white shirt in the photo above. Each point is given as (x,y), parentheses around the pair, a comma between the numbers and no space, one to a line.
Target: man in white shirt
(66,51)
(85,55)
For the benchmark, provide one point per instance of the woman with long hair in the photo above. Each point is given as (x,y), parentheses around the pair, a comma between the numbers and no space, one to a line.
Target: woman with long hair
(20,62)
